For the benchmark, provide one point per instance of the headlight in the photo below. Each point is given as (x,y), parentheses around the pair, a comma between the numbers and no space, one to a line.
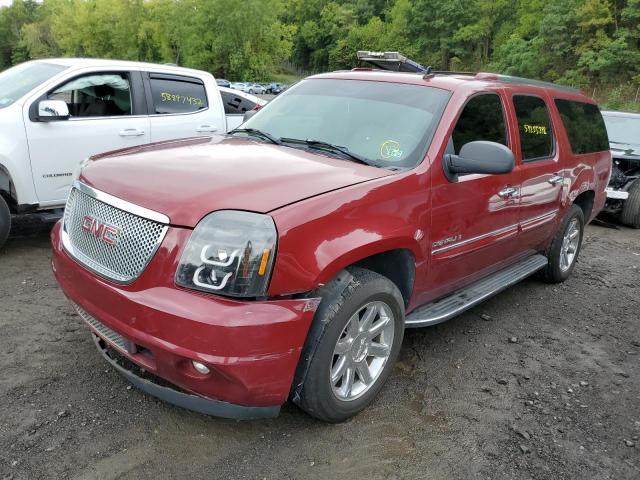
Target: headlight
(230,253)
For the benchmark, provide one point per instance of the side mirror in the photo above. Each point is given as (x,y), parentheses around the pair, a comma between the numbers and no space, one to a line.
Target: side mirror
(52,110)
(479,157)
(248,114)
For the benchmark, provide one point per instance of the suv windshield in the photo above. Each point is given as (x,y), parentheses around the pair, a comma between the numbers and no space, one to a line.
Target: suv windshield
(385,124)
(623,129)
(19,80)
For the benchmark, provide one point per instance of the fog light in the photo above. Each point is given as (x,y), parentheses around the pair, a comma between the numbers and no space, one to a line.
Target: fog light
(200,367)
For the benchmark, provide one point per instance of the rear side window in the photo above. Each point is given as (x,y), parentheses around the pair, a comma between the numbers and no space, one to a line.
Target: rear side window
(235,104)
(481,119)
(584,125)
(534,125)
(177,96)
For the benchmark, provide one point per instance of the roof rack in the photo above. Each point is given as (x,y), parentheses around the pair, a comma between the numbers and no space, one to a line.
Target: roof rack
(395,61)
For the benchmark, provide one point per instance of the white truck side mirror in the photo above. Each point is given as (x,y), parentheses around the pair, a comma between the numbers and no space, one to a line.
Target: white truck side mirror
(51,110)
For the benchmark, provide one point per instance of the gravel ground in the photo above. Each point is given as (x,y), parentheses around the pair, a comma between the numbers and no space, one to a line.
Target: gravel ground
(540,382)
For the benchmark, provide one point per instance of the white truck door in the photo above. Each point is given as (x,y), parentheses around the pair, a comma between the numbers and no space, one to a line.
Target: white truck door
(182,106)
(236,104)
(104,115)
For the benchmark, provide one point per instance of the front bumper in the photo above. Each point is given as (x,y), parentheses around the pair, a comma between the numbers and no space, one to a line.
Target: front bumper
(251,348)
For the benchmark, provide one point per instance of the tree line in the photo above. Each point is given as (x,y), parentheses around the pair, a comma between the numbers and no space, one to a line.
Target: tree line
(591,44)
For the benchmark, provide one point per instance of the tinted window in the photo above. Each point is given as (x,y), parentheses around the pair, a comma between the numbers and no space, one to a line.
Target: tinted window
(21,79)
(481,119)
(96,95)
(584,125)
(536,138)
(388,124)
(175,96)
(235,104)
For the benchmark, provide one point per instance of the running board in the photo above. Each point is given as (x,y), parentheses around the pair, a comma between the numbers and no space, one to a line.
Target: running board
(462,300)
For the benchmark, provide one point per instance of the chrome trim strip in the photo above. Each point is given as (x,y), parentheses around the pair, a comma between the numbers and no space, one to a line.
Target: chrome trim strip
(545,216)
(474,239)
(120,204)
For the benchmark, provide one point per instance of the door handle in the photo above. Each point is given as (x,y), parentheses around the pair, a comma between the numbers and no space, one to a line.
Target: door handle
(556,179)
(206,129)
(508,192)
(131,132)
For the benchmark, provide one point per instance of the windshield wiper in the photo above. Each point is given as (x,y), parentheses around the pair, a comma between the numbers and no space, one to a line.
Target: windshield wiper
(257,133)
(320,145)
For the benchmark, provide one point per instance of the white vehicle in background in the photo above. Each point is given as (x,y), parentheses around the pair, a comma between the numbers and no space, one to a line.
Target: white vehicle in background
(55,113)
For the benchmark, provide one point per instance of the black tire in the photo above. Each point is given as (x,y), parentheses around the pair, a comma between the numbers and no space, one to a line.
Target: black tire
(5,221)
(631,209)
(315,394)
(554,273)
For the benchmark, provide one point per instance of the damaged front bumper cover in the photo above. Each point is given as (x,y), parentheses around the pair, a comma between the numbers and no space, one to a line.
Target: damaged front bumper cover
(185,400)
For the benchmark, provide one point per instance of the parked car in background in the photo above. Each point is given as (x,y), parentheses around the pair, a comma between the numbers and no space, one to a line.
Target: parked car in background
(623,194)
(276,88)
(56,113)
(285,260)
(255,88)
(221,82)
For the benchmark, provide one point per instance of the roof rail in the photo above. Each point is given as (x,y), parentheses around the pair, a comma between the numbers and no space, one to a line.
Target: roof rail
(523,81)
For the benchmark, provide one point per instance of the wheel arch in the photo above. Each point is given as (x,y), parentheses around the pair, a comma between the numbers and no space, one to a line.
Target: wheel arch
(7,188)
(585,201)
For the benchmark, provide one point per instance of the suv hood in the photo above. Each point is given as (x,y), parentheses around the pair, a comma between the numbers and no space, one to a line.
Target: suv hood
(190,178)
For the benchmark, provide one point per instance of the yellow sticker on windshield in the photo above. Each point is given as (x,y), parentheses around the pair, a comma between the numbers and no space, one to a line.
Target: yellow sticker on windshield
(535,129)
(390,149)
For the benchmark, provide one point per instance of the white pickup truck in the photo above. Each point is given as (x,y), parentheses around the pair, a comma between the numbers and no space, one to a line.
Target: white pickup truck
(55,113)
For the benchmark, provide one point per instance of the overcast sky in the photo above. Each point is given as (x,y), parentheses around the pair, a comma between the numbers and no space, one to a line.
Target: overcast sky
(4,3)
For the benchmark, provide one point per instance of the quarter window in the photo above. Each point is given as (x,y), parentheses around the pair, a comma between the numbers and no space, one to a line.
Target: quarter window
(534,125)
(481,119)
(177,96)
(235,104)
(96,95)
(584,125)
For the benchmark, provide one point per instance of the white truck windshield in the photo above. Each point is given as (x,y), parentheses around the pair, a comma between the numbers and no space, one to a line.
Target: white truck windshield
(21,79)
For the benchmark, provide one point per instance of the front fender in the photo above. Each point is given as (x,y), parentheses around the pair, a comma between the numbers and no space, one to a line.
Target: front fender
(319,237)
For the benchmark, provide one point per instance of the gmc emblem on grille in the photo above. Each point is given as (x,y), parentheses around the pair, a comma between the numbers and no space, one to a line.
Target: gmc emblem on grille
(101,230)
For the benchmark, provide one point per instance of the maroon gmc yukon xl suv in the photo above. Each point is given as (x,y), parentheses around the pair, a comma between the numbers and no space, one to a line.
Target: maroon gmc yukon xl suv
(285,259)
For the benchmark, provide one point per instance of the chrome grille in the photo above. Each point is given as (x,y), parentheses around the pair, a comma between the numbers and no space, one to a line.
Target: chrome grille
(134,244)
(105,332)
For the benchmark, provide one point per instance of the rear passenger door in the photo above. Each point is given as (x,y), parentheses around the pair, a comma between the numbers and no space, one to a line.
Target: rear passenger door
(541,170)
(181,107)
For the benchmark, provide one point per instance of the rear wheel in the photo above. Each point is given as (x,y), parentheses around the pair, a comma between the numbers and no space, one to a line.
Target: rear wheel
(5,221)
(565,247)
(353,352)
(631,208)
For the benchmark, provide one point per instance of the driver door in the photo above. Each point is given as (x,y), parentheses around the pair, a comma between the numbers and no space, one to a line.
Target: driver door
(102,117)
(474,224)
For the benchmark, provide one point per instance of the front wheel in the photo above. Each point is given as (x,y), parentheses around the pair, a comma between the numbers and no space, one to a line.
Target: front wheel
(565,247)
(5,221)
(352,353)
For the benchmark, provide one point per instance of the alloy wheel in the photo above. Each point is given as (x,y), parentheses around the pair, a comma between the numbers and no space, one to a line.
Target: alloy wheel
(362,351)
(570,244)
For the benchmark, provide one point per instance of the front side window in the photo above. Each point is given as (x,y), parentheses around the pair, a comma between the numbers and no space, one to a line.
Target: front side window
(584,125)
(481,119)
(177,96)
(16,82)
(534,125)
(96,95)
(386,124)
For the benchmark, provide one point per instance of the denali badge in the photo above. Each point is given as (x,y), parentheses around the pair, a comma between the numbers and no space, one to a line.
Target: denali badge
(102,231)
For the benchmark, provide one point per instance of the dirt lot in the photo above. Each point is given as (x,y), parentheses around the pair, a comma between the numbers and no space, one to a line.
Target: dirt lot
(540,382)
